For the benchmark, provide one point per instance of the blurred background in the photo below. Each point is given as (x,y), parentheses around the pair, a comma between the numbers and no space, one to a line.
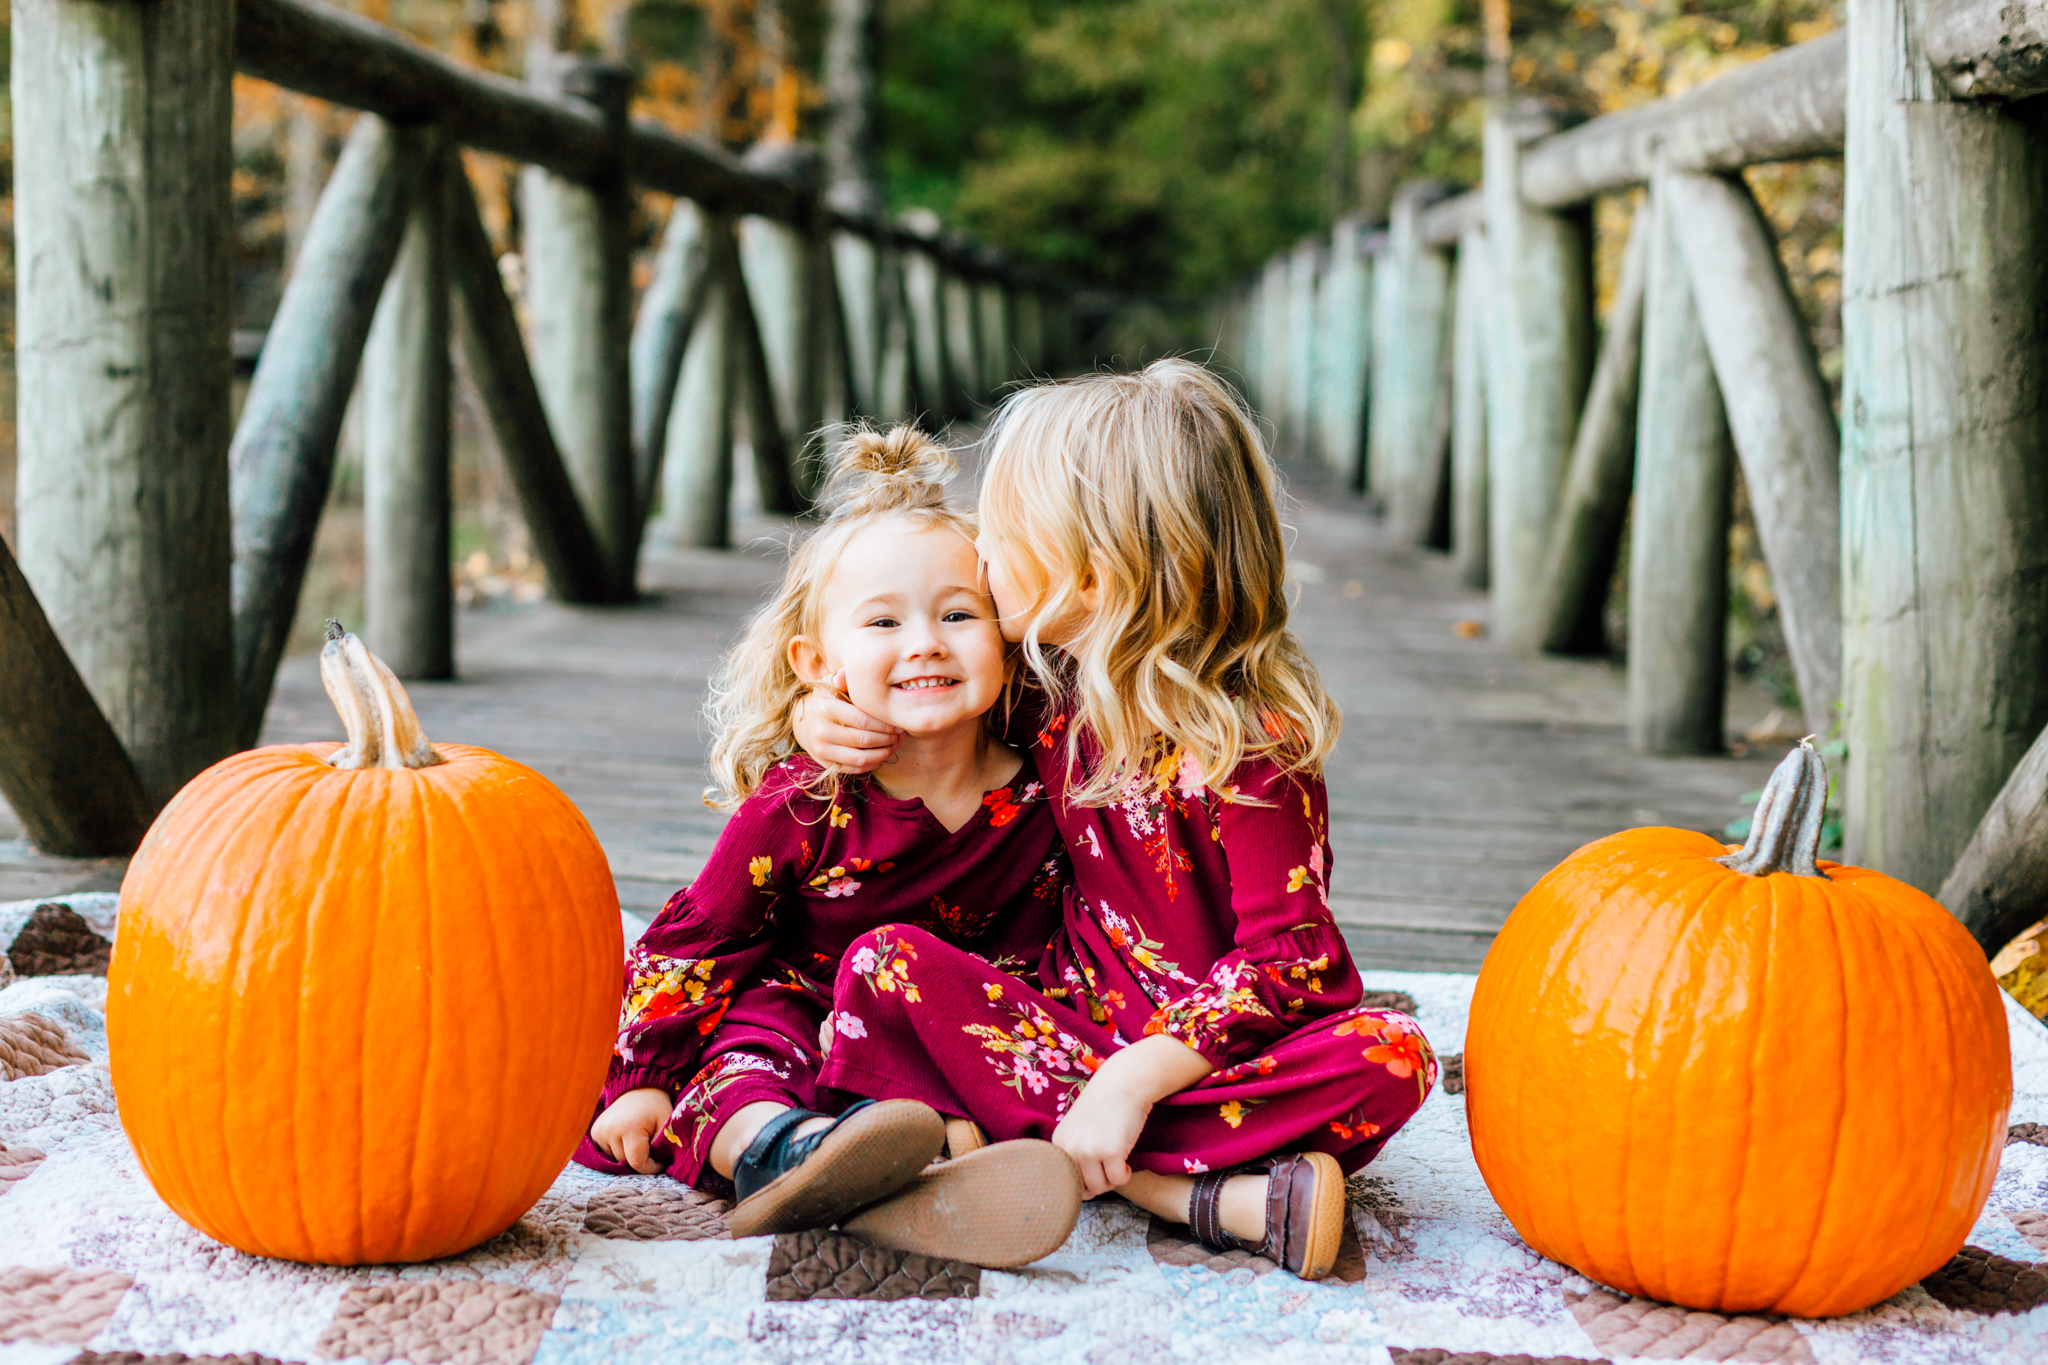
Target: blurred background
(1152,151)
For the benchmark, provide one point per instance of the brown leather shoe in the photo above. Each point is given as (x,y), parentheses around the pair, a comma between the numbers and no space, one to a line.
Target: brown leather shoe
(1304,1212)
(1005,1205)
(963,1136)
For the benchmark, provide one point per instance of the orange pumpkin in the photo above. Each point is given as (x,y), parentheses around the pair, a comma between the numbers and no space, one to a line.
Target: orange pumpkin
(362,996)
(1738,1081)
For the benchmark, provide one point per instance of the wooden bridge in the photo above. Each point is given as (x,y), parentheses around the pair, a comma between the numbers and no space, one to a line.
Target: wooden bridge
(1449,365)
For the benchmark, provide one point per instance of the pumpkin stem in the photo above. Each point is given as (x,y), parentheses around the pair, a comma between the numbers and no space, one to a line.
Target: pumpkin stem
(1784,834)
(383,731)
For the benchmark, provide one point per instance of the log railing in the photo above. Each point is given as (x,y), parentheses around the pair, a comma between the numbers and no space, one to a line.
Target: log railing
(1908,544)
(161,561)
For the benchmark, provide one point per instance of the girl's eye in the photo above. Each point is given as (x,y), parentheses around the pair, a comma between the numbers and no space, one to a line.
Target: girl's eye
(883,621)
(959,615)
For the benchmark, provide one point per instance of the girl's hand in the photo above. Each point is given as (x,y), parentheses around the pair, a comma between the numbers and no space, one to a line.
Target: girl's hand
(1104,1121)
(1101,1127)
(629,1124)
(835,731)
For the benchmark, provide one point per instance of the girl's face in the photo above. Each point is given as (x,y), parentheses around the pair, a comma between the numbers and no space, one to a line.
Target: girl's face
(1019,586)
(905,617)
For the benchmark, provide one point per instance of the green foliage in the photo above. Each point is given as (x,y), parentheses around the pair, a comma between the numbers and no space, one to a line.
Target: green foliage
(1155,145)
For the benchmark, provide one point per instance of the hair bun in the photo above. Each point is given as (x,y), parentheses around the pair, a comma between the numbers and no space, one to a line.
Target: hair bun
(874,471)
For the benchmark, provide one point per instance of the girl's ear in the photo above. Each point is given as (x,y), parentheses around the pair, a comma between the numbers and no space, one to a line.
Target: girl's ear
(807,659)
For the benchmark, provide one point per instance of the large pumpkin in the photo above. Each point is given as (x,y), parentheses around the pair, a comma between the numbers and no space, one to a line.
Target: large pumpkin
(362,995)
(1738,1081)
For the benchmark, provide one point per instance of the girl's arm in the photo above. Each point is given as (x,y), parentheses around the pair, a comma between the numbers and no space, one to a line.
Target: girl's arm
(1104,1121)
(834,731)
(1291,964)
(711,938)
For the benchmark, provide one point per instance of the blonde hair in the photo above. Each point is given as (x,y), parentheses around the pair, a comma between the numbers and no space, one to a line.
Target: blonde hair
(1158,487)
(895,473)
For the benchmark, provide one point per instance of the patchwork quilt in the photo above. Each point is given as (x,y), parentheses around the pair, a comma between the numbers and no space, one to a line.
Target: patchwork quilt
(94,1268)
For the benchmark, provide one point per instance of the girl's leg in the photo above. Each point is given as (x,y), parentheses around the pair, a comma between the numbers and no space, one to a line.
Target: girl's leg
(744,1124)
(1242,1206)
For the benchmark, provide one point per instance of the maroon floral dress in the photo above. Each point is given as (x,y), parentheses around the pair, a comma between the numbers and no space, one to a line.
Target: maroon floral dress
(727,993)
(1199,914)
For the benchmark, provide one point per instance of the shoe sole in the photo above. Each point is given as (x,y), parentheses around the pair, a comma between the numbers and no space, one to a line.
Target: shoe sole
(1326,1231)
(868,1157)
(1005,1205)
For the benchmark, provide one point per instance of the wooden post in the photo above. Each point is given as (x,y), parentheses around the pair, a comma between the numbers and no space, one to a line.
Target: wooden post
(696,497)
(579,303)
(661,333)
(124,248)
(896,371)
(963,343)
(925,291)
(774,461)
(1303,265)
(1778,410)
(1275,349)
(1539,359)
(2000,884)
(281,465)
(857,264)
(1347,346)
(408,582)
(1945,417)
(784,271)
(1382,454)
(1409,397)
(1027,306)
(1569,604)
(998,353)
(494,354)
(1678,545)
(1472,302)
(62,769)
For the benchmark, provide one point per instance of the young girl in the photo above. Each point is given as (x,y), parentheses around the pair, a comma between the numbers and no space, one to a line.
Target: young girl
(1199,1043)
(727,1002)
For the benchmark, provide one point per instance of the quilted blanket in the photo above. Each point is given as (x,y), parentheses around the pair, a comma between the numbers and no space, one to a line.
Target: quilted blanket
(94,1268)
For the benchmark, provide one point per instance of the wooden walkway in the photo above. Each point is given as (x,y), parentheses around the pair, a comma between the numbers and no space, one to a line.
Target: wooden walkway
(1463,773)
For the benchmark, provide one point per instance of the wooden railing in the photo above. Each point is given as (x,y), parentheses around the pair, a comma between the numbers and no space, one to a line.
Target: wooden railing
(161,559)
(1451,365)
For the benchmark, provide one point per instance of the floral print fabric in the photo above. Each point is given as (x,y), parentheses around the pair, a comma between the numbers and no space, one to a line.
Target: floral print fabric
(724,1000)
(1202,915)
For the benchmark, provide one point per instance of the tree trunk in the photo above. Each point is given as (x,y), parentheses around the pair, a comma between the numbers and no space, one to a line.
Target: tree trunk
(282,461)
(1570,601)
(124,248)
(1778,409)
(1945,417)
(408,592)
(696,497)
(1471,301)
(62,769)
(1540,351)
(1678,555)
(2000,884)
(579,304)
(853,99)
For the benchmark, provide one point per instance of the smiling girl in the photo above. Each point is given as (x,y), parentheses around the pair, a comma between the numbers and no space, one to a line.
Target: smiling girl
(726,1018)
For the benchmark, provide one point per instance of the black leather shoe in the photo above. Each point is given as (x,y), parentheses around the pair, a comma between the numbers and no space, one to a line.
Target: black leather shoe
(787,1183)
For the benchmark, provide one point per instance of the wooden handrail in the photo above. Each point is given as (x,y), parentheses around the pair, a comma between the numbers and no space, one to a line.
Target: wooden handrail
(344,58)
(1787,107)
(1989,49)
